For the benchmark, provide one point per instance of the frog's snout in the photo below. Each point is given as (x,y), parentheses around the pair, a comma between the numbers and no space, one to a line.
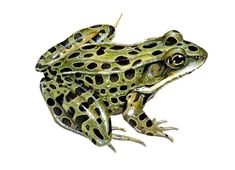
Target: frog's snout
(203,54)
(200,56)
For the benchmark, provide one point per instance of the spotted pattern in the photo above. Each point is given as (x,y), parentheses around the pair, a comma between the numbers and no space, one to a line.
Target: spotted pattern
(170,41)
(88,79)
(129,74)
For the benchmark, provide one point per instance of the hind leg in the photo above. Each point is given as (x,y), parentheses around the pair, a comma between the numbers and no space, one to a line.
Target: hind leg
(59,114)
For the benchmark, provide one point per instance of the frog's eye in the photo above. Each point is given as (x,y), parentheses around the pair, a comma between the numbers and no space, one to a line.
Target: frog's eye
(176,61)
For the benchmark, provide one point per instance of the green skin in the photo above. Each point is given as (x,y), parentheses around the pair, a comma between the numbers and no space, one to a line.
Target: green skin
(87,78)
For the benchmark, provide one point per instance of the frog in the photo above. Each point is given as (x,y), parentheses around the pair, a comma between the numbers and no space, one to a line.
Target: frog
(88,78)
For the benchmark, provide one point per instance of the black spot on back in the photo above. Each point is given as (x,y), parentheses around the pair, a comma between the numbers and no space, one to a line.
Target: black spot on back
(100,51)
(66,69)
(117,47)
(136,62)
(105,66)
(114,100)
(66,44)
(52,49)
(113,90)
(80,64)
(92,65)
(123,87)
(111,31)
(99,79)
(78,75)
(96,38)
(114,77)
(115,69)
(57,64)
(192,48)
(79,82)
(157,52)
(78,37)
(170,41)
(133,52)
(68,79)
(121,60)
(88,47)
(96,26)
(129,74)
(87,55)
(73,55)
(149,45)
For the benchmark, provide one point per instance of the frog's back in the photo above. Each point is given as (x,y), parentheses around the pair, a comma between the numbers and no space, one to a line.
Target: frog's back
(108,58)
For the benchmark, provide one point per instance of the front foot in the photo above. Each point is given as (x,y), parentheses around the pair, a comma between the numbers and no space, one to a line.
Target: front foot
(153,129)
(136,117)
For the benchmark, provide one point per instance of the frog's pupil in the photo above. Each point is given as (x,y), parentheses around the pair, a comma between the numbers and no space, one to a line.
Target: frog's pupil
(178,59)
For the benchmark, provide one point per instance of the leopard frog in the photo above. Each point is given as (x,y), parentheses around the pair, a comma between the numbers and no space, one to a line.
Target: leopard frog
(87,79)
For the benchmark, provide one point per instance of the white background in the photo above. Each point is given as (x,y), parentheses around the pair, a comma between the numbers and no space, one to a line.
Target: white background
(201,105)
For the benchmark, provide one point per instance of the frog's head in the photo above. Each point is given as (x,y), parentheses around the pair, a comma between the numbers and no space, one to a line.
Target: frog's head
(177,58)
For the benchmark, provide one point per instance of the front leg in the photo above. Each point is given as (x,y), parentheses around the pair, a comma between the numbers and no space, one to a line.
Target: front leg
(137,118)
